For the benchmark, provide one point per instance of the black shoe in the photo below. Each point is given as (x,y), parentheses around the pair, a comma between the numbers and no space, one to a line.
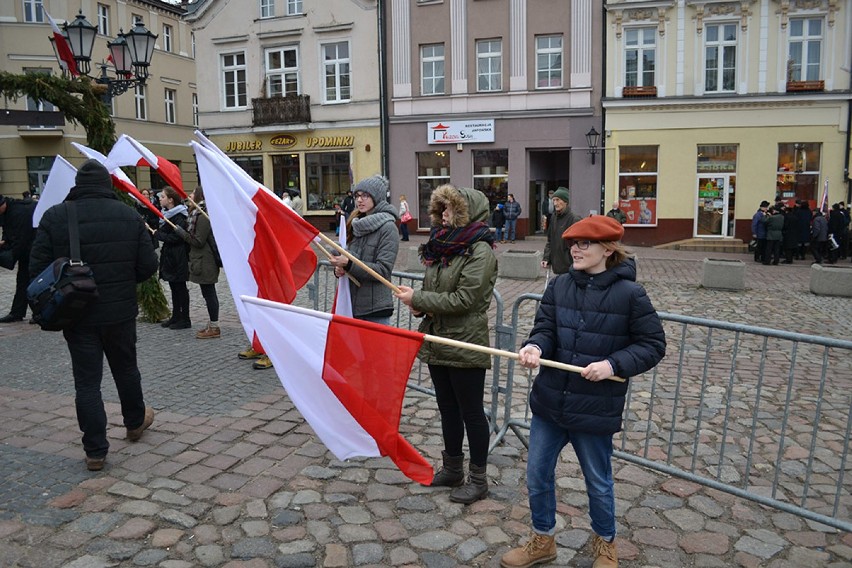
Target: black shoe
(183,324)
(168,322)
(9,318)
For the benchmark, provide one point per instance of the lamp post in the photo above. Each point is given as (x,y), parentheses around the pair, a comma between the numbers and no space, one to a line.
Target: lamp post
(592,139)
(130,53)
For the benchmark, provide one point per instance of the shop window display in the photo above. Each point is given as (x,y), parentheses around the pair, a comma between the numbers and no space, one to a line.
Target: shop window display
(433,170)
(637,184)
(328,179)
(798,172)
(491,174)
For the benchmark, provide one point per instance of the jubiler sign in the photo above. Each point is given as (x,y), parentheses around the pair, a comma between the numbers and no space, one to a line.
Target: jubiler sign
(460,132)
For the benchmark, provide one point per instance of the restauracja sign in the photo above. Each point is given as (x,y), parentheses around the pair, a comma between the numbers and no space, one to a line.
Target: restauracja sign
(460,131)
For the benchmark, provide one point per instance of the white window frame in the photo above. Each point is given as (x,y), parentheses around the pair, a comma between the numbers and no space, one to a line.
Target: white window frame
(294,7)
(136,18)
(807,41)
(34,11)
(492,59)
(430,63)
(103,19)
(167,37)
(545,53)
(195,109)
(169,100)
(267,9)
(140,96)
(192,43)
(234,74)
(721,46)
(283,72)
(339,69)
(643,33)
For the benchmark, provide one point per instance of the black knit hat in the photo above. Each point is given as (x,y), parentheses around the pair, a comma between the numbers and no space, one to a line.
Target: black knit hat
(2,200)
(93,173)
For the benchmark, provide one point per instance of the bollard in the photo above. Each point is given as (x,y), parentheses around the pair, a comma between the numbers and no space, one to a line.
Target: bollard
(723,274)
(831,280)
(522,264)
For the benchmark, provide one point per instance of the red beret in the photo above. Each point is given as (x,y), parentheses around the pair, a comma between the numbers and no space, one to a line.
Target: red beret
(595,228)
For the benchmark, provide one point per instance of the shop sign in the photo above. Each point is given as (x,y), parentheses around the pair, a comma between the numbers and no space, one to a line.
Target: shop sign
(330,141)
(283,140)
(460,131)
(243,145)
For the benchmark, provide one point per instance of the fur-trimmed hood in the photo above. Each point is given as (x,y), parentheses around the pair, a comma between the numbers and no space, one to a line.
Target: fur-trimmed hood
(468,205)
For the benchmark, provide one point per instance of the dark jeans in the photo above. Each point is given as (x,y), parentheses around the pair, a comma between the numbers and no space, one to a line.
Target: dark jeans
(773,252)
(819,250)
(22,280)
(760,251)
(180,301)
(459,393)
(87,346)
(403,228)
(208,291)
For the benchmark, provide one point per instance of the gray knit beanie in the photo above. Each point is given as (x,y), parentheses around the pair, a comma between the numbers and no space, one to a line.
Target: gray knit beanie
(93,173)
(376,186)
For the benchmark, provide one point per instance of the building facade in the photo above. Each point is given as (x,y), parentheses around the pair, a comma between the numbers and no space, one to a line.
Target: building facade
(713,106)
(161,114)
(292,93)
(494,94)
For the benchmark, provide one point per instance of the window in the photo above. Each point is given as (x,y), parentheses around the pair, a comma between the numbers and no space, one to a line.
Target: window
(432,69)
(637,184)
(805,49)
(489,65)
(433,170)
(720,58)
(103,19)
(336,71)
(136,19)
(328,179)
(33,11)
(195,109)
(285,174)
(169,100)
(38,105)
(294,7)
(167,38)
(141,103)
(267,8)
(234,81)
(491,174)
(640,52)
(798,172)
(38,169)
(252,165)
(548,61)
(282,72)
(157,181)
(192,41)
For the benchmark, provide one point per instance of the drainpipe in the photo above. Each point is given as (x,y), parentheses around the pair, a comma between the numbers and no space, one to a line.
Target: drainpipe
(848,145)
(603,209)
(383,98)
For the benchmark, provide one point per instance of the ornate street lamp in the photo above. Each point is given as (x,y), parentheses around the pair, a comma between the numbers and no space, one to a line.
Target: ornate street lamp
(592,139)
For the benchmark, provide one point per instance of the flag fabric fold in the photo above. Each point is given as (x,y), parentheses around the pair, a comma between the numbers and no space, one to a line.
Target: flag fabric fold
(63,48)
(128,152)
(343,294)
(264,245)
(59,182)
(347,377)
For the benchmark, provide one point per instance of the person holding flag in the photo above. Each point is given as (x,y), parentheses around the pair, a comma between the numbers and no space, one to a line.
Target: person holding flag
(174,258)
(461,270)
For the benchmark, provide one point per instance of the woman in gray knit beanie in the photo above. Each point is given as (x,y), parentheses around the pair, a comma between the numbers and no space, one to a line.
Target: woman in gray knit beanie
(373,239)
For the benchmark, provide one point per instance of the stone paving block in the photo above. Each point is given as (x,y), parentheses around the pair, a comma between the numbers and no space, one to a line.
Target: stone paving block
(522,264)
(831,280)
(723,274)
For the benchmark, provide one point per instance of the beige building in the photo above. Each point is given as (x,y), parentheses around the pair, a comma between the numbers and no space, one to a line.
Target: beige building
(713,106)
(160,114)
(292,93)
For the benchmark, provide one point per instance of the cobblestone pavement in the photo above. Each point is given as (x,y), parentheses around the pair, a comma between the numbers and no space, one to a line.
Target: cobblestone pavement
(230,475)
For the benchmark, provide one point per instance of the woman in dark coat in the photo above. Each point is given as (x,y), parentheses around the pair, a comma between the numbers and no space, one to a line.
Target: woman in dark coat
(791,235)
(174,258)
(598,318)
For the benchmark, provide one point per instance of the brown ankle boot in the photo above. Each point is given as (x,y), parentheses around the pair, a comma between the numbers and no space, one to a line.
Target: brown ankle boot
(475,489)
(605,553)
(451,473)
(539,549)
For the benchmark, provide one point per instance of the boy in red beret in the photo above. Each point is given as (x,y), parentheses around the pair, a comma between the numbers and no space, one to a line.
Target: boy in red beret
(598,318)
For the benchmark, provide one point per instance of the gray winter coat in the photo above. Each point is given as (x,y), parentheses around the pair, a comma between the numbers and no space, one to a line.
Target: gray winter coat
(375,242)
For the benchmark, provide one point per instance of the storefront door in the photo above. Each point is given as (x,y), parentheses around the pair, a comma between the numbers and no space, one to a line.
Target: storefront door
(714,216)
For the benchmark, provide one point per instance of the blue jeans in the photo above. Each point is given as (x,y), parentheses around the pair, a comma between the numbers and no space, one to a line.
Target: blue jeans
(498,234)
(383,320)
(594,452)
(510,228)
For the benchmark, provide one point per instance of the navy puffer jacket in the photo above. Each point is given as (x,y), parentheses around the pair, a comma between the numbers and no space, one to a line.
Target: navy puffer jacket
(584,318)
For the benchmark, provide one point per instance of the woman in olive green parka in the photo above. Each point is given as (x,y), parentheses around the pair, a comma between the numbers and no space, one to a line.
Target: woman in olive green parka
(460,273)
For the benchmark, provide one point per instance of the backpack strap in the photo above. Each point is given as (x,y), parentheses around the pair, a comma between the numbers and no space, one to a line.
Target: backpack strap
(73,233)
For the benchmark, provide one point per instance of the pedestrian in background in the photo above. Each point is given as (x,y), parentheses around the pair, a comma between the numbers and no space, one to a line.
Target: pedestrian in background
(16,217)
(819,236)
(616,212)
(174,257)
(837,229)
(461,270)
(803,214)
(348,205)
(596,317)
(203,268)
(117,246)
(512,210)
(497,221)
(557,255)
(758,231)
(791,232)
(774,223)
(404,217)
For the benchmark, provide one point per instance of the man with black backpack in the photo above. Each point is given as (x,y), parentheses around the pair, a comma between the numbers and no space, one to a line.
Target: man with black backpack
(116,245)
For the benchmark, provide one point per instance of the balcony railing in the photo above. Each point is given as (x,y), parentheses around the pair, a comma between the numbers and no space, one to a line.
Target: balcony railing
(292,109)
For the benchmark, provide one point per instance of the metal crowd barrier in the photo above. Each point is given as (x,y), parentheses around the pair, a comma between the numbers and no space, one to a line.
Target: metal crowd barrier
(759,413)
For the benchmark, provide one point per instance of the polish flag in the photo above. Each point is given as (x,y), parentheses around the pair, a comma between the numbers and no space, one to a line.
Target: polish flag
(119,178)
(128,152)
(66,57)
(59,182)
(343,295)
(264,245)
(347,377)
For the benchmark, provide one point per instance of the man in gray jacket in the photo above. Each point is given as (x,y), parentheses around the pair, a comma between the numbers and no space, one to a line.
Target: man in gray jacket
(557,256)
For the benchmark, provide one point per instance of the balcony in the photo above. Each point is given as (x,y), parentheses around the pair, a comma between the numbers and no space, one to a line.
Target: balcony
(292,109)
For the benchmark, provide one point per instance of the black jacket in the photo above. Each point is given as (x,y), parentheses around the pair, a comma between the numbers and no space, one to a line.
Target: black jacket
(174,256)
(586,318)
(18,231)
(113,241)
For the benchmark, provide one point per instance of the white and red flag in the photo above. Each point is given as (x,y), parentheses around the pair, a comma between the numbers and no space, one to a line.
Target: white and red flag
(343,295)
(63,48)
(59,182)
(347,377)
(264,245)
(128,152)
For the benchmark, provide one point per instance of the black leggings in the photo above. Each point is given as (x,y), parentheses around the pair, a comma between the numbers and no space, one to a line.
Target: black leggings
(208,291)
(459,393)
(180,301)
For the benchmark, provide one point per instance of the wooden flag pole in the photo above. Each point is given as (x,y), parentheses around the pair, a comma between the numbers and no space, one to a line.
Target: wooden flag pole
(328,255)
(354,259)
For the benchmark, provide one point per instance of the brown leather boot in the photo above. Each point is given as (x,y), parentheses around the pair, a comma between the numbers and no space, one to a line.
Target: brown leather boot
(539,549)
(475,489)
(451,473)
(605,553)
